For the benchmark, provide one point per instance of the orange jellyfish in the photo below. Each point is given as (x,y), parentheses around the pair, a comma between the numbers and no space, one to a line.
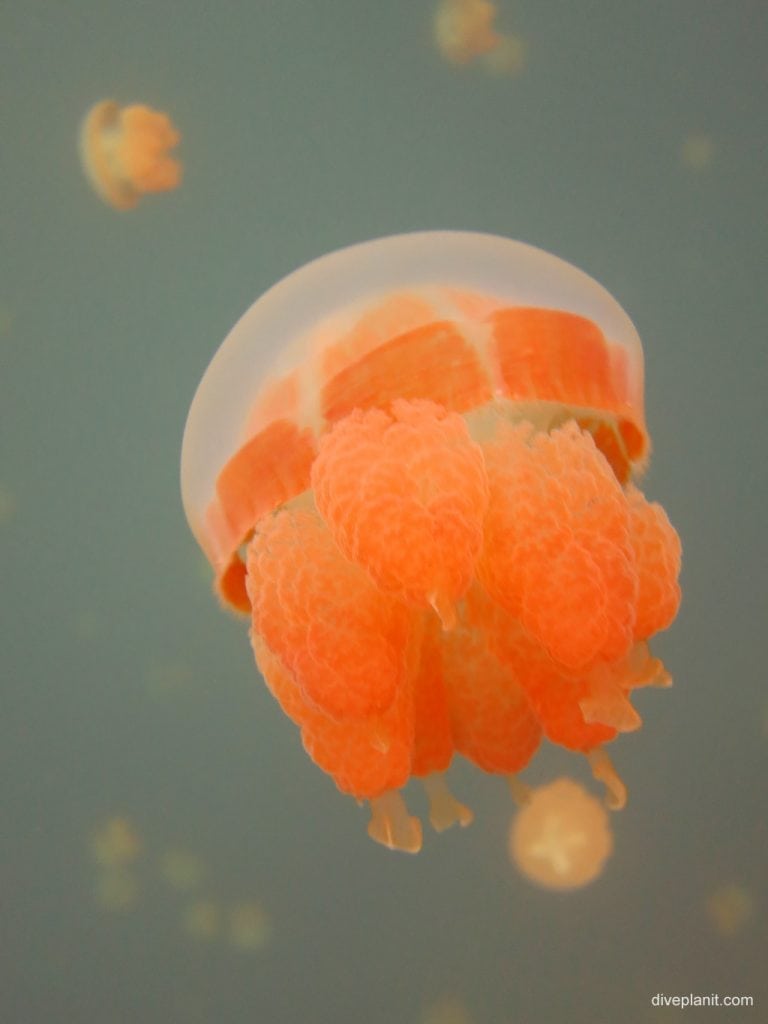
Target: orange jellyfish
(463,29)
(561,836)
(124,152)
(411,466)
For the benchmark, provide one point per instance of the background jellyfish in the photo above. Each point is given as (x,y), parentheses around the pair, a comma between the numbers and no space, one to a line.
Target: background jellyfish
(464,30)
(561,837)
(115,847)
(125,152)
(424,446)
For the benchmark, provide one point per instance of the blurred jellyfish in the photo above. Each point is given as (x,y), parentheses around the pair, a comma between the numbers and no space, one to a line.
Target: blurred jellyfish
(202,920)
(447,1009)
(249,927)
(124,152)
(729,908)
(561,837)
(697,152)
(411,465)
(464,29)
(181,869)
(115,843)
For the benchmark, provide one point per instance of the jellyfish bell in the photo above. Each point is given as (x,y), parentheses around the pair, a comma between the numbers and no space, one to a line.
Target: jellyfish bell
(124,152)
(278,349)
(354,463)
(561,837)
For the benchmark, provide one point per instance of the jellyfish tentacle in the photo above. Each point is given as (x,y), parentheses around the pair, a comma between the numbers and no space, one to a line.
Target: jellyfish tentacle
(520,791)
(604,771)
(444,809)
(392,825)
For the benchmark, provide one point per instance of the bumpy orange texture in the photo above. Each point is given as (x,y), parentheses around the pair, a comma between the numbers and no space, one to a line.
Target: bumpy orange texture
(424,581)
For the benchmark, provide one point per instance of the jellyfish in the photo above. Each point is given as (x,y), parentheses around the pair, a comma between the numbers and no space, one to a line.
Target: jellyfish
(181,869)
(202,920)
(124,152)
(115,846)
(115,843)
(697,151)
(250,927)
(413,466)
(561,836)
(447,1009)
(730,907)
(464,29)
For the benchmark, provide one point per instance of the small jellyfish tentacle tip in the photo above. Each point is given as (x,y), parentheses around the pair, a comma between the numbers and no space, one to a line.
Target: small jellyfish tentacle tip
(444,809)
(392,825)
(520,791)
(658,675)
(604,771)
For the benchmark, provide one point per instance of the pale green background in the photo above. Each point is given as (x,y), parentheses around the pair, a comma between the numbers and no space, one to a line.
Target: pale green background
(309,124)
